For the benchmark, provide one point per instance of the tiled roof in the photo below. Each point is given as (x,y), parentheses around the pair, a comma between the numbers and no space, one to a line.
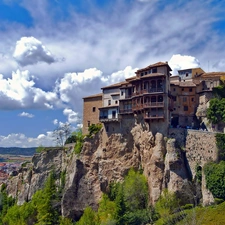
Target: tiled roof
(94,96)
(115,85)
(155,65)
(184,83)
(152,75)
(213,74)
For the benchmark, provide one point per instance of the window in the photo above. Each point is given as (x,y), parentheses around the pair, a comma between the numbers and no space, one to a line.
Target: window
(174,89)
(186,74)
(184,99)
(93,109)
(89,123)
(190,89)
(182,89)
(192,99)
(116,102)
(107,129)
(175,98)
(154,70)
(121,93)
(146,73)
(174,109)
(142,74)
(109,102)
(185,108)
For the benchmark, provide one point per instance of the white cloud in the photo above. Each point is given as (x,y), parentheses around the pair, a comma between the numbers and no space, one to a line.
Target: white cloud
(179,62)
(29,51)
(20,92)
(25,114)
(20,140)
(55,121)
(72,117)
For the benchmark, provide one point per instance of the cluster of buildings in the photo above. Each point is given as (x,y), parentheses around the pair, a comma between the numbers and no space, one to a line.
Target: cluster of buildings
(155,98)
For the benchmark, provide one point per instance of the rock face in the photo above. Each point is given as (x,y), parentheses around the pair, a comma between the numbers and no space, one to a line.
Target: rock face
(101,162)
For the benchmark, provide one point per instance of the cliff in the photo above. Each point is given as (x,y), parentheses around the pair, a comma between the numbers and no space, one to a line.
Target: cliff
(164,162)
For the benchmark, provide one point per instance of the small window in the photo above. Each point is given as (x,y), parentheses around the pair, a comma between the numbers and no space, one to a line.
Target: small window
(121,93)
(109,102)
(184,99)
(142,74)
(89,123)
(107,129)
(174,109)
(182,89)
(93,109)
(185,108)
(190,89)
(192,99)
(154,70)
(116,102)
(186,74)
(175,98)
(174,89)
(146,73)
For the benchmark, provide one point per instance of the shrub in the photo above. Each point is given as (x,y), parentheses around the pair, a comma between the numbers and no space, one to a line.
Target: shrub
(94,129)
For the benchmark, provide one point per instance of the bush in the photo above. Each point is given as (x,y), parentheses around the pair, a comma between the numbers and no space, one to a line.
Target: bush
(94,129)
(220,143)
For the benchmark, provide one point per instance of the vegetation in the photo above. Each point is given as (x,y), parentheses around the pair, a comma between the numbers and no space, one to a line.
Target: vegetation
(215,178)
(94,129)
(216,110)
(40,149)
(79,141)
(220,143)
(61,134)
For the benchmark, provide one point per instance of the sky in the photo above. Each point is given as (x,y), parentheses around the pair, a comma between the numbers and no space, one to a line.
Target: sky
(55,52)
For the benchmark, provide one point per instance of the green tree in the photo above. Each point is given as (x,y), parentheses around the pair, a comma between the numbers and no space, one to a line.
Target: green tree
(215,178)
(167,204)
(88,218)
(216,110)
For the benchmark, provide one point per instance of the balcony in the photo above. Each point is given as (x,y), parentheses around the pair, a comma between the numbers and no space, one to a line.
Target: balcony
(105,119)
(148,91)
(153,104)
(136,107)
(125,111)
(151,116)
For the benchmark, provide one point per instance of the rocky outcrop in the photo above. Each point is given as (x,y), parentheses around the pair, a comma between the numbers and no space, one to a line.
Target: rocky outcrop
(101,162)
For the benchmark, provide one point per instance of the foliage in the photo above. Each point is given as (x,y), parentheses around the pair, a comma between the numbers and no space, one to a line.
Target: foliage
(79,141)
(88,218)
(220,143)
(40,149)
(167,204)
(216,110)
(198,170)
(65,221)
(71,139)
(215,178)
(219,91)
(94,129)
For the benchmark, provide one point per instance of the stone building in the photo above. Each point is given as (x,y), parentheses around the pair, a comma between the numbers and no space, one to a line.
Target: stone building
(91,104)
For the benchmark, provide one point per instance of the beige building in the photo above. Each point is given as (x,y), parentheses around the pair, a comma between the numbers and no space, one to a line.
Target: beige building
(91,105)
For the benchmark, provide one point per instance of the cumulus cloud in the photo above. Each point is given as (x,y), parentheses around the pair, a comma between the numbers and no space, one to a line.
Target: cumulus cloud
(25,114)
(20,92)
(55,121)
(21,140)
(72,117)
(180,62)
(29,51)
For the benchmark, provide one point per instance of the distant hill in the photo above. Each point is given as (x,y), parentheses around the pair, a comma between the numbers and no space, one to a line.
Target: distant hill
(18,151)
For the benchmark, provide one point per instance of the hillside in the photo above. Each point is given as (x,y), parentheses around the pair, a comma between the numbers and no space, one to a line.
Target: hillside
(17,151)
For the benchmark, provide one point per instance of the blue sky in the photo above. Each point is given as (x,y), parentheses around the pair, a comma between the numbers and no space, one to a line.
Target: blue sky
(55,52)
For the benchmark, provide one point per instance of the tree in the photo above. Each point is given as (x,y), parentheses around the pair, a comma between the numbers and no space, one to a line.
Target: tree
(216,110)
(61,133)
(88,218)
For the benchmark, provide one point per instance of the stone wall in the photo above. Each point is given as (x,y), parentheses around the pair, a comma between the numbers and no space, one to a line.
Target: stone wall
(200,148)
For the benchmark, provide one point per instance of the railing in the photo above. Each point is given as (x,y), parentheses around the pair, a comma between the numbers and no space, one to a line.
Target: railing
(153,104)
(124,111)
(106,119)
(145,91)
(154,116)
(137,107)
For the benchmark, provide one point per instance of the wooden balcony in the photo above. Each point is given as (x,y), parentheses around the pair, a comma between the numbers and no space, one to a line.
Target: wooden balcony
(148,91)
(125,111)
(136,107)
(150,116)
(153,104)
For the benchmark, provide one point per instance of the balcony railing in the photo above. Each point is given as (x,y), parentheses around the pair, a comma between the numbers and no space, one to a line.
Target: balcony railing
(153,104)
(147,91)
(154,116)
(137,107)
(125,111)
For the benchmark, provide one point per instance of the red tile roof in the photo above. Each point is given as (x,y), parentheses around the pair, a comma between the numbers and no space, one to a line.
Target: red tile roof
(154,65)
(93,96)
